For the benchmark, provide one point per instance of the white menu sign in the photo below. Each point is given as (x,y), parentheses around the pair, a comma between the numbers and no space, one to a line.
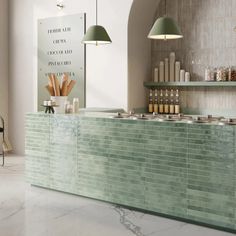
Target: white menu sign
(60,51)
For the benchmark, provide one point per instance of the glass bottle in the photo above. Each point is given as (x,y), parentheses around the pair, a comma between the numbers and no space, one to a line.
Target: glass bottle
(172,105)
(150,105)
(166,105)
(177,105)
(161,103)
(207,74)
(76,105)
(155,101)
(219,74)
(229,73)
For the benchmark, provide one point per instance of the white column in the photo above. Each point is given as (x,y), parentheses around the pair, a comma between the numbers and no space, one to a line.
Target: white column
(177,71)
(182,75)
(161,70)
(166,70)
(172,67)
(156,75)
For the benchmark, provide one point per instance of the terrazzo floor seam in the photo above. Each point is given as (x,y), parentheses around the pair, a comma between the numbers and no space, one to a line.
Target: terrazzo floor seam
(26,210)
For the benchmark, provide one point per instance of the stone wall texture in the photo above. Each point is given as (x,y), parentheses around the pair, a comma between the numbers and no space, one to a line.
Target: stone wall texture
(209,40)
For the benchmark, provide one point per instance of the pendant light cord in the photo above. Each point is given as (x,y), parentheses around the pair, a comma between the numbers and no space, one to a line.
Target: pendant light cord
(96,12)
(165,39)
(165,8)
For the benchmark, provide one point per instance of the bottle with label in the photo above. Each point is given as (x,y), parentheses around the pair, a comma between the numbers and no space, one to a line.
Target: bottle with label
(172,105)
(76,105)
(150,104)
(161,103)
(166,105)
(177,106)
(155,101)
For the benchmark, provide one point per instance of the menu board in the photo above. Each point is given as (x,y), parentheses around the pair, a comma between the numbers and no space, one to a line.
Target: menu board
(60,51)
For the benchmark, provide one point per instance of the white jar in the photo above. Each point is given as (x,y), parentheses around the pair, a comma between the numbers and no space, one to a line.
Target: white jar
(45,103)
(187,77)
(67,107)
(76,105)
(60,104)
(207,74)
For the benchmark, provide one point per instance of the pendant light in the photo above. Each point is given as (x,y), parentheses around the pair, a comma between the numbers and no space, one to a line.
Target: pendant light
(96,34)
(165,28)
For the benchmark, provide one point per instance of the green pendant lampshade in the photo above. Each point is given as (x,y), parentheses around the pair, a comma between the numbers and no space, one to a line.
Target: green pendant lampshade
(165,28)
(96,34)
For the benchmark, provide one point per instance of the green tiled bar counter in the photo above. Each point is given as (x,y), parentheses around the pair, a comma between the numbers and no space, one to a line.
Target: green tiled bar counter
(180,170)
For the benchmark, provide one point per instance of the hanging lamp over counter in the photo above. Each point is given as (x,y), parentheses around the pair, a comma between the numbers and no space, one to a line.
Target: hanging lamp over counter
(96,34)
(165,28)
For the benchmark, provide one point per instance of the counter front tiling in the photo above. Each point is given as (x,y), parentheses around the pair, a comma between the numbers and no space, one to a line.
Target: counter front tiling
(179,170)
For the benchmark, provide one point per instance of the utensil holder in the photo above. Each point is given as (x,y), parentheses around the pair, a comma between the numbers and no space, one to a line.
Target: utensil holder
(60,102)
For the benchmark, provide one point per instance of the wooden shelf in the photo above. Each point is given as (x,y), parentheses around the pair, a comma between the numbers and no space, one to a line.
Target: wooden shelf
(190,84)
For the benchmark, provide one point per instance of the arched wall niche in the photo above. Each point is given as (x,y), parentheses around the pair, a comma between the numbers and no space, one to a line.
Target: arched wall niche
(209,41)
(141,18)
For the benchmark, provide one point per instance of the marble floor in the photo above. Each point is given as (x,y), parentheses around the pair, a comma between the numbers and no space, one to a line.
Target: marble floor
(32,211)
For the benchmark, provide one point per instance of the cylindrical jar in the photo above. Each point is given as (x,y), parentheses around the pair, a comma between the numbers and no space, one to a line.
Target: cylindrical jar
(76,105)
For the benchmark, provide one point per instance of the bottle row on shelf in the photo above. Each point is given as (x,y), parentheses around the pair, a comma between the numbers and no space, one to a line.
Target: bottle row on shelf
(169,70)
(164,102)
